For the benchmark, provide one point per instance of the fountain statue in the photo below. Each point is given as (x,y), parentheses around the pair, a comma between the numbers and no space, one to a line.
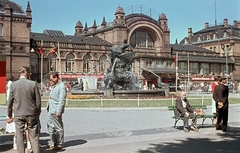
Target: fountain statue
(119,76)
(120,81)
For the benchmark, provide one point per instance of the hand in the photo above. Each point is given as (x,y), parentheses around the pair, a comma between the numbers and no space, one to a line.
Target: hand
(187,114)
(220,104)
(58,115)
(9,119)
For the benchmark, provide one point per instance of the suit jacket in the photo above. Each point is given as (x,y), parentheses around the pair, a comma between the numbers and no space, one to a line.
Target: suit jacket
(179,110)
(25,96)
(221,95)
(57,99)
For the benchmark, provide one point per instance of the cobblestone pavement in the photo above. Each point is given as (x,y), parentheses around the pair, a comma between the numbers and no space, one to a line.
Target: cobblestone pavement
(135,130)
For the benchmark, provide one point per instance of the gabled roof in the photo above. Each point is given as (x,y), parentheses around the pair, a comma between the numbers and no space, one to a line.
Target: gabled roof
(59,36)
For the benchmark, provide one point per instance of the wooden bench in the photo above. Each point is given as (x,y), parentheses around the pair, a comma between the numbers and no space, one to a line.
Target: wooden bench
(204,107)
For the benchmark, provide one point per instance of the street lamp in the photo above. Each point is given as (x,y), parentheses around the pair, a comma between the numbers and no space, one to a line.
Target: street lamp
(11,46)
(226,51)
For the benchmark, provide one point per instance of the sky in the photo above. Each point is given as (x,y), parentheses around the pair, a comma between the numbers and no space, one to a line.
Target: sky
(181,14)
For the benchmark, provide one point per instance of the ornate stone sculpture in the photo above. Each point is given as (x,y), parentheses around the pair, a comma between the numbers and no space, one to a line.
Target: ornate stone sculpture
(119,76)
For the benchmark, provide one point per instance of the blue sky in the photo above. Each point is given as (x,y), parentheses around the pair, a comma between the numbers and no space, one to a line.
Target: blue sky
(182,14)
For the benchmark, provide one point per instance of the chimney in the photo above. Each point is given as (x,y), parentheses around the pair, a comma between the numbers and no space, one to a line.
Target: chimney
(206,25)
(190,35)
(236,23)
(225,22)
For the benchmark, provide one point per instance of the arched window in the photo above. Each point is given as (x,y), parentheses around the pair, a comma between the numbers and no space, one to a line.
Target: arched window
(70,65)
(141,39)
(86,63)
(102,64)
(34,63)
(52,63)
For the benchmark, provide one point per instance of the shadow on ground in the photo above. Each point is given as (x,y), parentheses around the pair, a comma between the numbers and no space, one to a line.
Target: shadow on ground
(6,143)
(228,142)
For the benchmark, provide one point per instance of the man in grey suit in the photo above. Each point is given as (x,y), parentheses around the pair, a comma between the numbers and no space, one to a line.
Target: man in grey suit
(25,96)
(55,109)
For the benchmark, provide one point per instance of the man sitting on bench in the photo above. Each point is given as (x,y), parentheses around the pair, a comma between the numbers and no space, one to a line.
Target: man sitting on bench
(183,108)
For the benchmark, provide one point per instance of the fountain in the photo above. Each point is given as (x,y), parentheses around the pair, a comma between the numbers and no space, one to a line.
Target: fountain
(120,81)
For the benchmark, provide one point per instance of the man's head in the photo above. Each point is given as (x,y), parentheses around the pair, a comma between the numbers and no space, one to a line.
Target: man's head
(25,71)
(223,80)
(54,77)
(183,95)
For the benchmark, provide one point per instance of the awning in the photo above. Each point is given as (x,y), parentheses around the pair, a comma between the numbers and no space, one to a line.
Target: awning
(164,70)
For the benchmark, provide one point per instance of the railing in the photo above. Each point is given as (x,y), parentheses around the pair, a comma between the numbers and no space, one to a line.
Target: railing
(138,102)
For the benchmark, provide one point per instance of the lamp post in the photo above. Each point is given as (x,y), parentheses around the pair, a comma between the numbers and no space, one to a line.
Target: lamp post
(226,51)
(11,13)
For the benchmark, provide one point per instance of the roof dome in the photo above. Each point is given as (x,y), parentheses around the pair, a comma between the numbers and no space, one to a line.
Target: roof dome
(16,8)
(119,10)
(78,25)
(162,16)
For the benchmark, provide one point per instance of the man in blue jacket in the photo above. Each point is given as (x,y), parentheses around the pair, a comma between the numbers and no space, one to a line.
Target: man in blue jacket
(55,109)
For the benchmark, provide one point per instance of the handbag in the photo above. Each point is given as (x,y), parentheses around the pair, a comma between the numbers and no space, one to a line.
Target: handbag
(199,111)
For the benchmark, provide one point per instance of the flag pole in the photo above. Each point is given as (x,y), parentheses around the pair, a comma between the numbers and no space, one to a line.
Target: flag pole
(59,60)
(188,73)
(41,67)
(176,66)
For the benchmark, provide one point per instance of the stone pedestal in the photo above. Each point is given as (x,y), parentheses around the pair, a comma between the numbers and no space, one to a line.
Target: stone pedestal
(108,93)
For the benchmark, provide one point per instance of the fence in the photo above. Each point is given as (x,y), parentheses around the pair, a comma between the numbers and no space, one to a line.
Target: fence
(201,100)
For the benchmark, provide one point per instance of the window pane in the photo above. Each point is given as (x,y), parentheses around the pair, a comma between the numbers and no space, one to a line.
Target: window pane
(141,39)
(194,68)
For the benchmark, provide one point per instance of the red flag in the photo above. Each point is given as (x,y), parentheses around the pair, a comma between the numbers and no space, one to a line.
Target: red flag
(175,58)
(41,50)
(53,50)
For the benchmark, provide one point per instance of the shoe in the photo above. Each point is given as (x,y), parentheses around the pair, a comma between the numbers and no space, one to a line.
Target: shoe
(224,130)
(218,128)
(14,147)
(59,147)
(194,127)
(185,130)
(52,147)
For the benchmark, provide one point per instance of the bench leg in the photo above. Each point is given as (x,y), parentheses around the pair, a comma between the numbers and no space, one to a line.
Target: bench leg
(210,119)
(176,120)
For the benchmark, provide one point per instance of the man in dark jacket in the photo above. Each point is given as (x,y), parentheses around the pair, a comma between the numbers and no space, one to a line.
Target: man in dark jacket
(183,108)
(220,96)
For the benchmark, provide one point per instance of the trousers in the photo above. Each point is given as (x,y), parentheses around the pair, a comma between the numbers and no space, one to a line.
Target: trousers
(55,129)
(31,122)
(194,119)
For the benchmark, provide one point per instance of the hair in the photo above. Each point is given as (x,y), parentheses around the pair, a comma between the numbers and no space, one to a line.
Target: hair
(222,78)
(11,78)
(216,78)
(54,74)
(24,69)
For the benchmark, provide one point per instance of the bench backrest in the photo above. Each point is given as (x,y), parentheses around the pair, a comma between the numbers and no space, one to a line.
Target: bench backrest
(193,106)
